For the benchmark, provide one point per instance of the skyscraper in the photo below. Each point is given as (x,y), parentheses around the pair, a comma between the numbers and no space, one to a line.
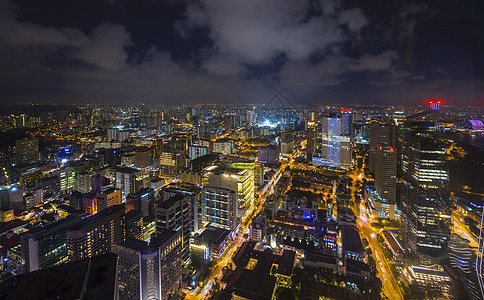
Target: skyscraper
(379,134)
(386,172)
(175,214)
(311,139)
(425,196)
(336,146)
(150,271)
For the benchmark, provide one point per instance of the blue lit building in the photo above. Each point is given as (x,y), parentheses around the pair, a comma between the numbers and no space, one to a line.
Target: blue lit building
(336,145)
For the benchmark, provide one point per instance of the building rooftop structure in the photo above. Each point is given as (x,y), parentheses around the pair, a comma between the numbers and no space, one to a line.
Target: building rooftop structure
(265,259)
(214,235)
(249,284)
(92,278)
(351,240)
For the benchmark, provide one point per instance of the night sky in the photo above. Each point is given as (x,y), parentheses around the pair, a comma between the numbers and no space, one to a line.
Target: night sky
(223,51)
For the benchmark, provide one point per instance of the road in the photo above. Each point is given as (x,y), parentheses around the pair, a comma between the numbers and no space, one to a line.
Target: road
(463,231)
(389,283)
(217,271)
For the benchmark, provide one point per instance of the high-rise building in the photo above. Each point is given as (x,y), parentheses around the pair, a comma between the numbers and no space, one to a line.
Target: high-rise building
(67,180)
(126,181)
(193,192)
(150,271)
(96,234)
(386,172)
(107,198)
(44,246)
(219,207)
(83,183)
(425,195)
(311,139)
(233,176)
(336,145)
(380,134)
(27,151)
(175,214)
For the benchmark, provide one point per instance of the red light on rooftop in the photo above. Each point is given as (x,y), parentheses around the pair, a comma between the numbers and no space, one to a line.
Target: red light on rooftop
(391,149)
(430,102)
(440,101)
(346,110)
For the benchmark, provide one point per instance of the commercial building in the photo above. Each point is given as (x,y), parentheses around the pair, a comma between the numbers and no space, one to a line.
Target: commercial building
(45,245)
(96,234)
(233,176)
(224,146)
(311,139)
(193,192)
(219,207)
(386,172)
(175,214)
(380,134)
(425,195)
(336,145)
(11,197)
(150,271)
(132,225)
(130,181)
(380,207)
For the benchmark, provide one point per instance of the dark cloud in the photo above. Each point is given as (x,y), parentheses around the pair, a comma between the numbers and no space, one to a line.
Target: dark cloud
(239,51)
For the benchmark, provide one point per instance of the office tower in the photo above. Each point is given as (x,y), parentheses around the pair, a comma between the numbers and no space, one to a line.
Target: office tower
(126,181)
(132,225)
(44,246)
(143,200)
(233,176)
(193,192)
(29,201)
(175,214)
(336,146)
(150,271)
(107,198)
(380,134)
(11,197)
(96,234)
(219,207)
(347,116)
(311,139)
(99,183)
(386,172)
(27,151)
(425,195)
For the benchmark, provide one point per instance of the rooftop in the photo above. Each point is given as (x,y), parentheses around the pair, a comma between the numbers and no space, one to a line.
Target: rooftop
(214,235)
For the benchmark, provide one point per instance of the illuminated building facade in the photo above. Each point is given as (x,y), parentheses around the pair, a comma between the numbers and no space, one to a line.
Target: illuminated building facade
(425,195)
(219,207)
(45,245)
(95,235)
(336,145)
(311,139)
(233,176)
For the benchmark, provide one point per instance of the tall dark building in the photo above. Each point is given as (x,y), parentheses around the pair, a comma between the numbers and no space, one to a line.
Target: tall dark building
(311,140)
(175,214)
(425,194)
(379,134)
